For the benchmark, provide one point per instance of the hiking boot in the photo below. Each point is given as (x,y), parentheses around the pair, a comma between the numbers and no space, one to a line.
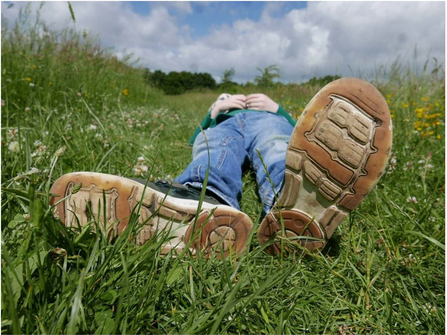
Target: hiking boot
(336,155)
(165,206)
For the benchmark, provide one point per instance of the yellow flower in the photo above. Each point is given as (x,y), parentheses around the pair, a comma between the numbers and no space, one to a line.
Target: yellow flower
(126,92)
(50,83)
(389,96)
(424,98)
(86,95)
(438,137)
(419,110)
(438,123)
(404,105)
(28,79)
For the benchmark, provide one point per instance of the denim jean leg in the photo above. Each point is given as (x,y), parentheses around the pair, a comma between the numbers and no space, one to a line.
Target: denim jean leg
(227,154)
(271,142)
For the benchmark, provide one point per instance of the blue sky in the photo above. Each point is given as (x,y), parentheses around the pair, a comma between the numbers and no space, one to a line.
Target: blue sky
(304,39)
(205,16)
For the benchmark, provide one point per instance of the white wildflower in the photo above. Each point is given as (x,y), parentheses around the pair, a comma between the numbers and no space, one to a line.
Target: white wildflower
(33,171)
(37,143)
(144,168)
(137,171)
(60,151)
(92,127)
(42,148)
(412,200)
(32,84)
(141,159)
(429,166)
(27,109)
(14,146)
(12,133)
(422,161)
(429,308)
(408,165)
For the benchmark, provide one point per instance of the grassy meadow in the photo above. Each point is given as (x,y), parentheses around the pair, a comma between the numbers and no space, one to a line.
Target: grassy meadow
(69,105)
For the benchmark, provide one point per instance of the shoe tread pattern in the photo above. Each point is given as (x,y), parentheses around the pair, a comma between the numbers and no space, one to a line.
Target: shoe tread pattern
(340,145)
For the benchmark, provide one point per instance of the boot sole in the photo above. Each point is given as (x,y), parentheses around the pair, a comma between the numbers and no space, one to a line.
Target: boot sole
(337,153)
(223,228)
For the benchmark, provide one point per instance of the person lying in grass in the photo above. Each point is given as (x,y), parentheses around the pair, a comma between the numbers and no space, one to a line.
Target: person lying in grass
(310,174)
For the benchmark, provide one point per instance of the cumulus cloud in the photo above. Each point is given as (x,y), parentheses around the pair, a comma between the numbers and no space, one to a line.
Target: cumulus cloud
(324,38)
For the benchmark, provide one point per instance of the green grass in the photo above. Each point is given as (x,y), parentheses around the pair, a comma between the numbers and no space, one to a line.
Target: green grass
(382,272)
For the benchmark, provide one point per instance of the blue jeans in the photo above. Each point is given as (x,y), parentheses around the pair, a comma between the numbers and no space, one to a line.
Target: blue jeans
(233,142)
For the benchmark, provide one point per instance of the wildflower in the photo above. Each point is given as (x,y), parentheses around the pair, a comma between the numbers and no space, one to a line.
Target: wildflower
(50,83)
(429,308)
(78,94)
(14,146)
(137,171)
(32,85)
(92,127)
(438,137)
(26,217)
(404,105)
(32,171)
(144,168)
(424,98)
(27,109)
(389,96)
(412,200)
(12,133)
(42,148)
(60,151)
(392,164)
(126,92)
(429,166)
(421,161)
(408,165)
(28,79)
(141,159)
(37,143)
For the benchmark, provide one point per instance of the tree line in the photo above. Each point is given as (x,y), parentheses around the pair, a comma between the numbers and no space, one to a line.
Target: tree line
(180,82)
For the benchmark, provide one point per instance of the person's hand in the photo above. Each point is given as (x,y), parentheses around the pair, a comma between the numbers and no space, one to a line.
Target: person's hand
(235,101)
(261,102)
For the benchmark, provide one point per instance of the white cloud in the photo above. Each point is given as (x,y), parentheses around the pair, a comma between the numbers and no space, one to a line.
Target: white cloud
(325,38)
